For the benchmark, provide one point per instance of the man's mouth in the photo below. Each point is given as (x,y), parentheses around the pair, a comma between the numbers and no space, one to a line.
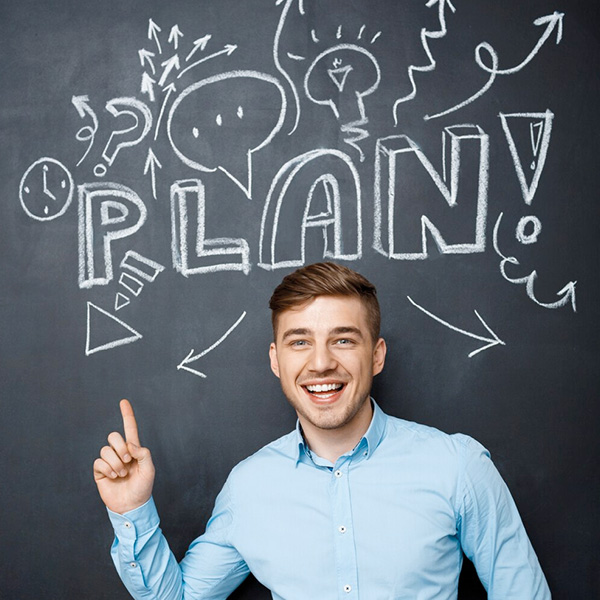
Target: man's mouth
(324,391)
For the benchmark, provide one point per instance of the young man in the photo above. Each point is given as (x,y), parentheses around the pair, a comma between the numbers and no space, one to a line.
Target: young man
(352,504)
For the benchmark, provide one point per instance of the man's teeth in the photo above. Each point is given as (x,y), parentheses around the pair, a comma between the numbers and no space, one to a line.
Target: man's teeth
(324,387)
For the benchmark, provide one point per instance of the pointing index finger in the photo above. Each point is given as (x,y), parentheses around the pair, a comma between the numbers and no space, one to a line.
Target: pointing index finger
(129,423)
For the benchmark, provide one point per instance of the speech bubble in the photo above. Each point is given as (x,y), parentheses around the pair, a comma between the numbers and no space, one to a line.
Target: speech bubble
(220,121)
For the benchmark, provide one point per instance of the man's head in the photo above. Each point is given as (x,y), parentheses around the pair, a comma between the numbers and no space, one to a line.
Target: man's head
(327,348)
(325,279)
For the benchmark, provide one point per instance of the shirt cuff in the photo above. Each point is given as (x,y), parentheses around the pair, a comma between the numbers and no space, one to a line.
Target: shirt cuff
(135,522)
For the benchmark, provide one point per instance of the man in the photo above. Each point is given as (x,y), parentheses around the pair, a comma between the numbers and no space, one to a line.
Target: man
(352,504)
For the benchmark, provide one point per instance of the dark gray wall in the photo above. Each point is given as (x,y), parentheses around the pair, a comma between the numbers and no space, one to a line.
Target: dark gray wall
(526,202)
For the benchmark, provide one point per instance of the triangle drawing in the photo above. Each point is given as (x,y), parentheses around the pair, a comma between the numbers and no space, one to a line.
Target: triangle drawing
(338,76)
(105,331)
(528,137)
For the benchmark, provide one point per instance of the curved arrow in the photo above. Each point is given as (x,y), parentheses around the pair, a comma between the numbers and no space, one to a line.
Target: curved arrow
(190,358)
(552,21)
(493,341)
(567,293)
(87,132)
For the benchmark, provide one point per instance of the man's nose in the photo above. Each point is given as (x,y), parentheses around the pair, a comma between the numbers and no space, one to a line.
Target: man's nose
(322,359)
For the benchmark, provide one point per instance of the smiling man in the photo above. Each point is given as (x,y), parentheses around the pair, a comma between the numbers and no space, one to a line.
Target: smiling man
(351,504)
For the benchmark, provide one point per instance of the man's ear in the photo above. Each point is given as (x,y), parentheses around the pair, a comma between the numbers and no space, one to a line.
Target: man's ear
(379,353)
(273,357)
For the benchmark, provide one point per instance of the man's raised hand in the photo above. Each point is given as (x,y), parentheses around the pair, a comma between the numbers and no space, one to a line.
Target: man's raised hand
(124,473)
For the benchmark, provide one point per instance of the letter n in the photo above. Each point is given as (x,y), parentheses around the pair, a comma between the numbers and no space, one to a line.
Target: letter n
(407,189)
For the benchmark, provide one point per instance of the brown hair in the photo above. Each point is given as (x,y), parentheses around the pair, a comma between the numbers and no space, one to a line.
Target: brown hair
(325,279)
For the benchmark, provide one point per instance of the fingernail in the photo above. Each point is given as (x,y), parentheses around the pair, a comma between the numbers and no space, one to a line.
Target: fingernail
(127,458)
(113,475)
(122,473)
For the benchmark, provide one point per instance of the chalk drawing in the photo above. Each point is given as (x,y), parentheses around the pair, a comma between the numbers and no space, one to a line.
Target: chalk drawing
(121,300)
(395,155)
(552,21)
(140,265)
(152,163)
(190,358)
(107,211)
(199,44)
(129,136)
(291,205)
(188,197)
(540,128)
(490,342)
(131,284)
(144,269)
(525,223)
(567,293)
(88,132)
(350,65)
(345,73)
(105,331)
(46,189)
(146,59)
(426,35)
(174,36)
(153,31)
(227,50)
(203,111)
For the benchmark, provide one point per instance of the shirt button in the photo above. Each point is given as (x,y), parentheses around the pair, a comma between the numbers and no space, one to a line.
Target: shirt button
(338,473)
(342,529)
(347,589)
(133,565)
(127,525)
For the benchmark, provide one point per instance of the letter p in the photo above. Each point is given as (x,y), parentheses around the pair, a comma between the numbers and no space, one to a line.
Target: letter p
(107,212)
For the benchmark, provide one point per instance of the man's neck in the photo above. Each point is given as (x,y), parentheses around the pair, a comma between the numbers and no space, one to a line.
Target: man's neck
(330,444)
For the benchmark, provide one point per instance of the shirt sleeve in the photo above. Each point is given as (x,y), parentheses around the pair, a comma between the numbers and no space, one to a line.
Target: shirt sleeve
(492,534)
(211,569)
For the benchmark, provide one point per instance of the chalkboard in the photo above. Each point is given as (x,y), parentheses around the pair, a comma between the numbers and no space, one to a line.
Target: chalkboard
(165,164)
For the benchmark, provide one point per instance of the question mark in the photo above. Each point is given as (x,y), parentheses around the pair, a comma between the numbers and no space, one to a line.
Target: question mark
(142,121)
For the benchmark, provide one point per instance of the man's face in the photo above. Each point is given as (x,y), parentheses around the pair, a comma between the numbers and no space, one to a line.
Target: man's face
(325,359)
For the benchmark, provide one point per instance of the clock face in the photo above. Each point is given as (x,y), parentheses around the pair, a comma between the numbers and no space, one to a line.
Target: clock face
(46,189)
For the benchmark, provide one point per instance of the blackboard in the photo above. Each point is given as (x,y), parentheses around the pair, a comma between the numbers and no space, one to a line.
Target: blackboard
(164,164)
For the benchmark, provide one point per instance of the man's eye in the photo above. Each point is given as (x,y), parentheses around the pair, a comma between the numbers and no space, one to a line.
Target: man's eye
(298,343)
(344,342)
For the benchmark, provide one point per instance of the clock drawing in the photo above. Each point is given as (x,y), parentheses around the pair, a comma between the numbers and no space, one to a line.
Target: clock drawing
(46,189)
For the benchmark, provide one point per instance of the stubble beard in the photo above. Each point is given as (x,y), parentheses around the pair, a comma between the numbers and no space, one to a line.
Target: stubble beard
(328,418)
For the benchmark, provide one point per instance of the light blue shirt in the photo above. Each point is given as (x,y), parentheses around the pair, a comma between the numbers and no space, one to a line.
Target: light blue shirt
(389,521)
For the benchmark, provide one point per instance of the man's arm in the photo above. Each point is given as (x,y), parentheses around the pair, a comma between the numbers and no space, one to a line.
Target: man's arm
(212,567)
(492,534)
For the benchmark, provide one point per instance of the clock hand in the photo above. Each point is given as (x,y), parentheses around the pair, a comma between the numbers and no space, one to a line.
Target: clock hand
(45,178)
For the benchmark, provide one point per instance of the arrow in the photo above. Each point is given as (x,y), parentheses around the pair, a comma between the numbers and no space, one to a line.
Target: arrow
(553,20)
(493,341)
(148,86)
(228,49)
(189,358)
(146,57)
(151,163)
(153,31)
(169,65)
(425,37)
(87,132)
(174,36)
(199,44)
(169,90)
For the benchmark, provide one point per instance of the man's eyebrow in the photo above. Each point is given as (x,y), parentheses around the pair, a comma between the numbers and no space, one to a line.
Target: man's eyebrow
(298,331)
(346,329)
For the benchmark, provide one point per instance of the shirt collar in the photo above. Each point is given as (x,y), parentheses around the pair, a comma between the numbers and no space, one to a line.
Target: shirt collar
(370,440)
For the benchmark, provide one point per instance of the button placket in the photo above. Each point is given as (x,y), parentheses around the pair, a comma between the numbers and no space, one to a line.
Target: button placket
(344,544)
